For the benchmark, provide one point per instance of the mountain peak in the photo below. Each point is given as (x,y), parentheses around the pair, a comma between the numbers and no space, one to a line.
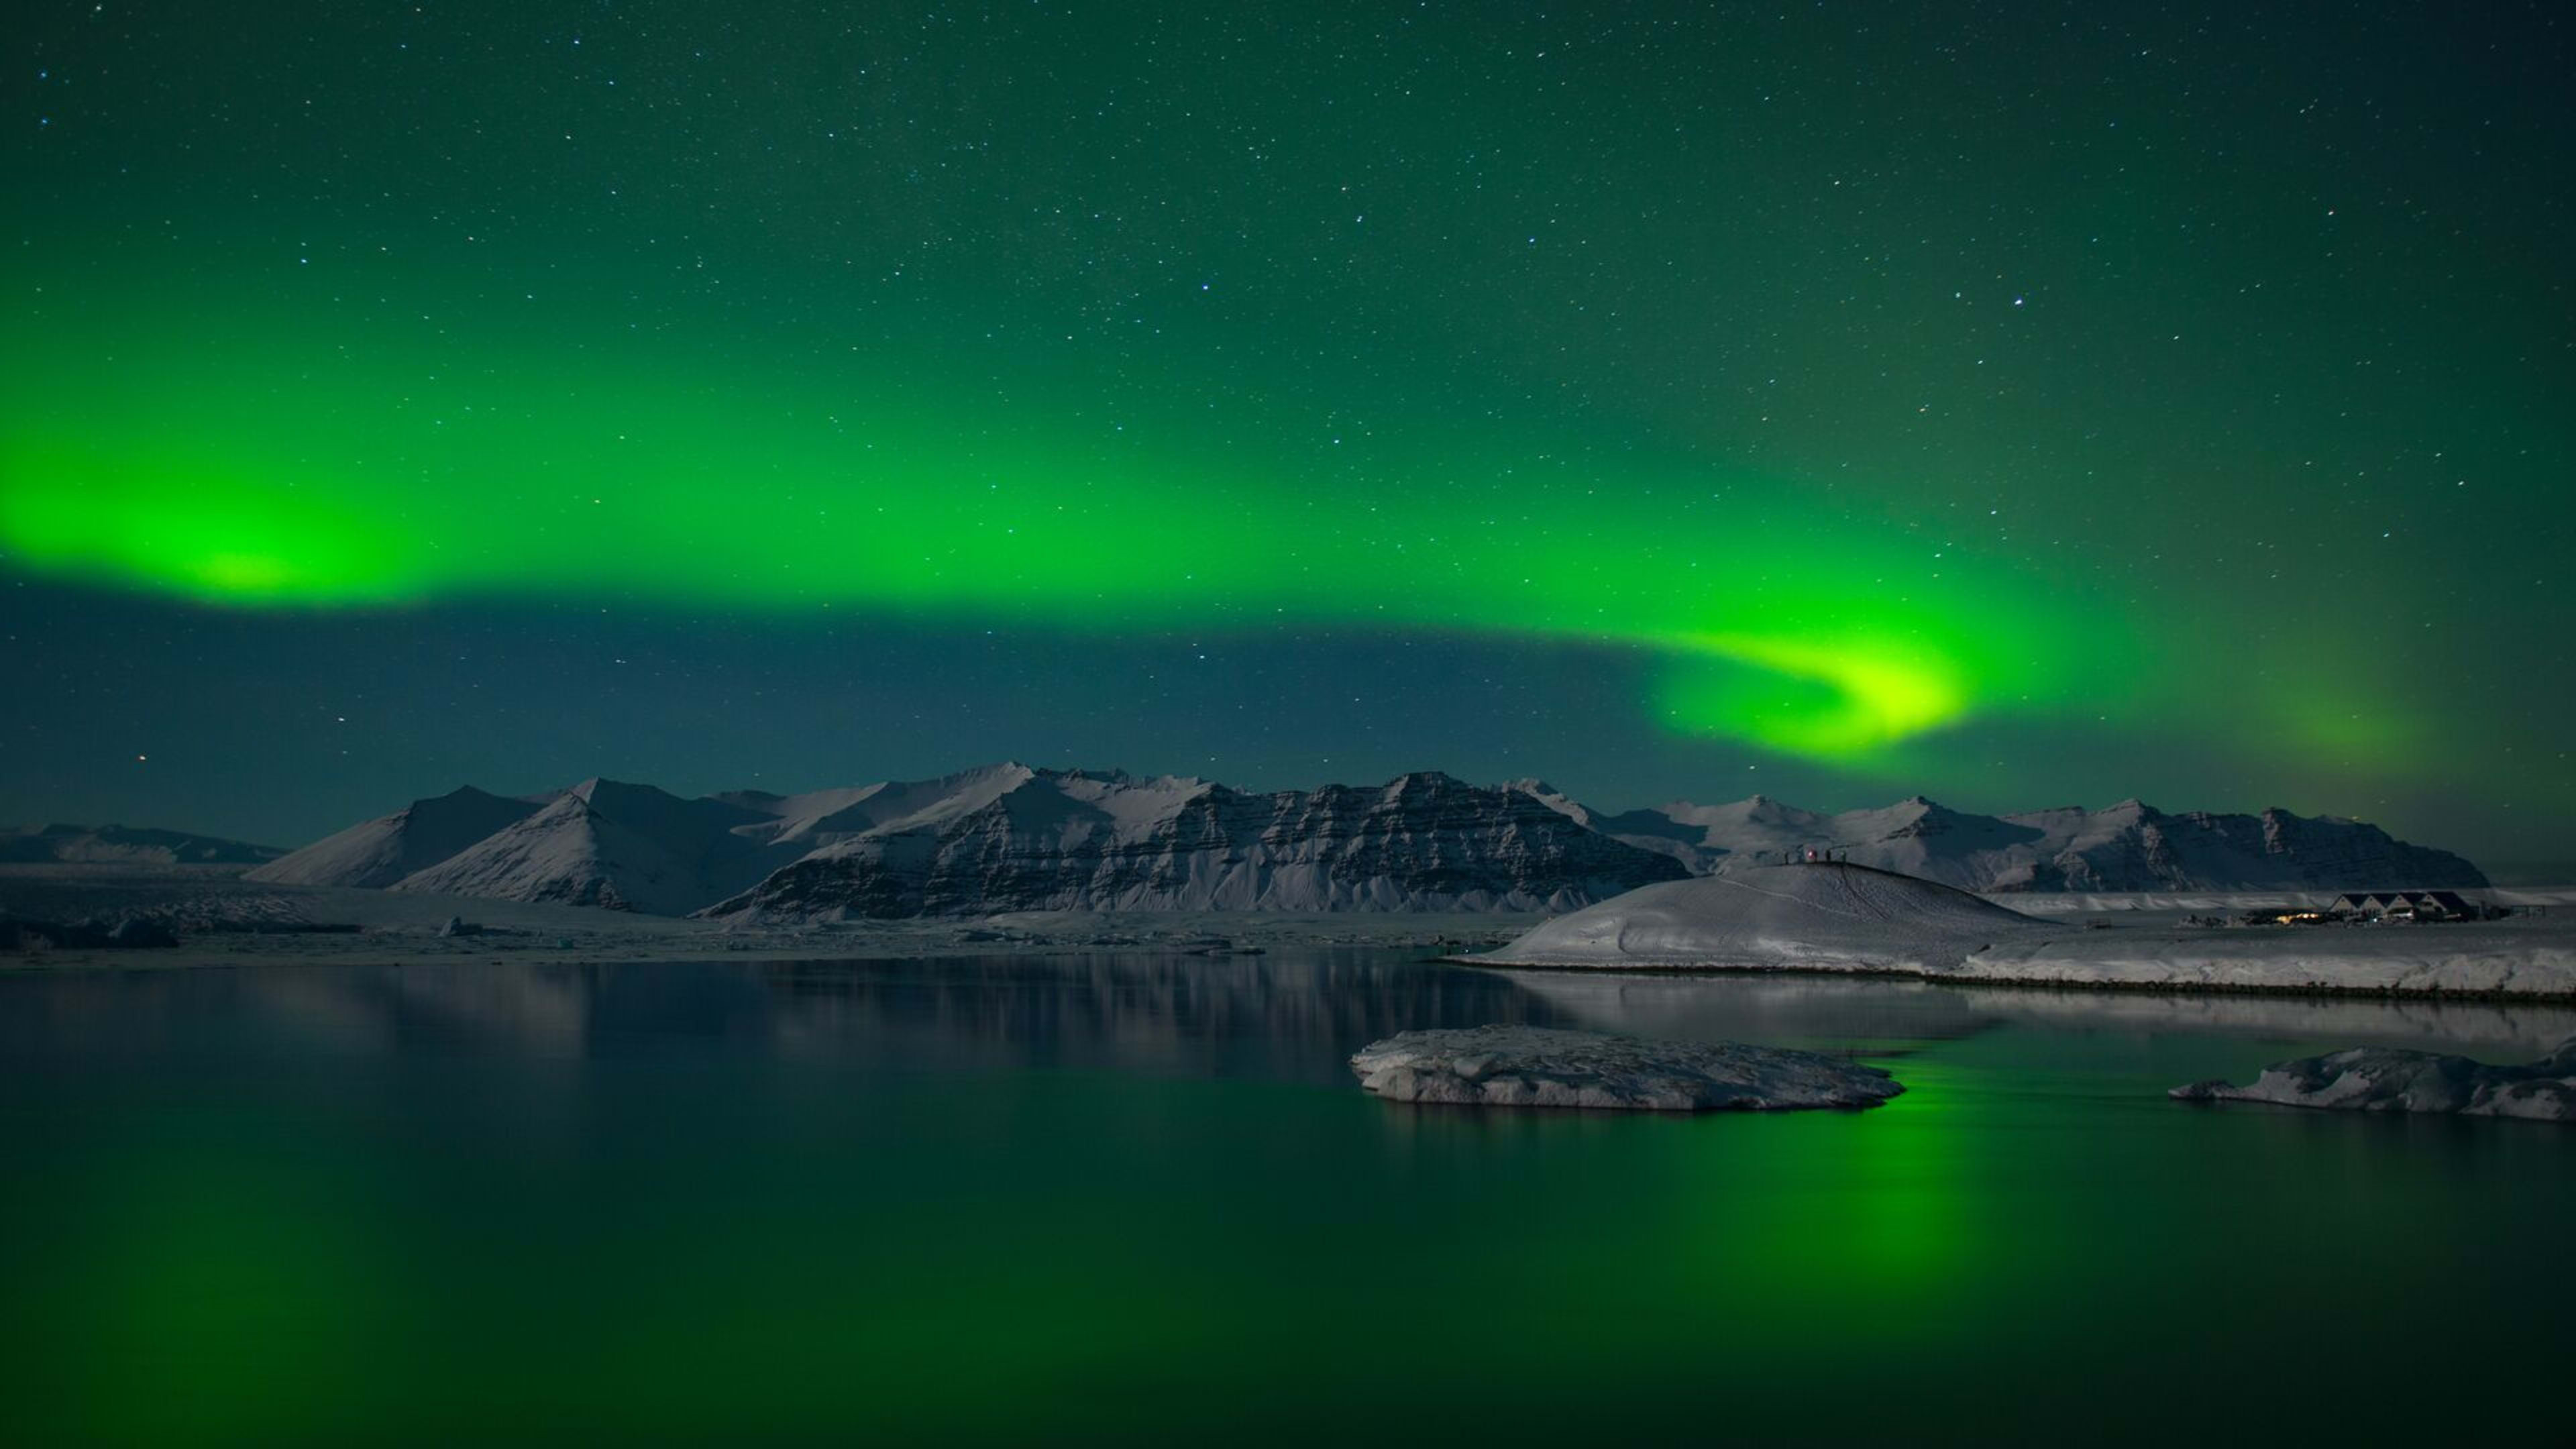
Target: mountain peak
(1012,836)
(599,785)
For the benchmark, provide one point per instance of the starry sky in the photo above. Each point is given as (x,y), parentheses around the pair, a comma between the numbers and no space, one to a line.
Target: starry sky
(2022,405)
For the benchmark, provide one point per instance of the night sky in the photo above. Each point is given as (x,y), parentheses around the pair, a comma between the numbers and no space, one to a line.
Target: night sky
(2022,405)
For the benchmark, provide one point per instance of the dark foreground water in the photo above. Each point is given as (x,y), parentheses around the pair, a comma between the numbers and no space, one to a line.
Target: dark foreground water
(1140,1199)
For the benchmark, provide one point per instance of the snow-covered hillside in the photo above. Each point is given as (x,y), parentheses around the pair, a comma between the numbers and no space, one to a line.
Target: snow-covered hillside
(382,851)
(2130,846)
(622,846)
(1058,840)
(1850,918)
(1820,917)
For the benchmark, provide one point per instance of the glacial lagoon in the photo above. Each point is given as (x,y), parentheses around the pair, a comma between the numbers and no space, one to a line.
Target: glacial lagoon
(1141,1198)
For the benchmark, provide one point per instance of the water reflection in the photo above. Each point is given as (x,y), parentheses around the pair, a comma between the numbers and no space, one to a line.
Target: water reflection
(942,1200)
(1291,1015)
(1827,1012)
(1283,1015)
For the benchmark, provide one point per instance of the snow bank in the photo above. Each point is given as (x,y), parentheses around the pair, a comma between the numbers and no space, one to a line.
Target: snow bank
(1787,917)
(1849,918)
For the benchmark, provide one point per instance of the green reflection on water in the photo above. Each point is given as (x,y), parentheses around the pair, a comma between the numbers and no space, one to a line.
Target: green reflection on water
(691,1239)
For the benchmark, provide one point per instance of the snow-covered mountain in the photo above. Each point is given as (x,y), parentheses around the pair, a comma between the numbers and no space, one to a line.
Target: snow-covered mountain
(382,851)
(1011,837)
(2130,846)
(625,847)
(1004,837)
(1022,839)
(124,845)
(827,817)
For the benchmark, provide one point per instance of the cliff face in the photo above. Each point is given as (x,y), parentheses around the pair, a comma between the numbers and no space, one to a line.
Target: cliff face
(1069,841)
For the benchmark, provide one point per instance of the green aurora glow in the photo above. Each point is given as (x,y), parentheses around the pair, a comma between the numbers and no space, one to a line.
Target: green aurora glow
(284,471)
(1945,436)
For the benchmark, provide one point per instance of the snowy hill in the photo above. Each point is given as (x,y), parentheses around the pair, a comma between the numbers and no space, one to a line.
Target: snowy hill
(621,846)
(2130,846)
(1779,917)
(382,851)
(1850,918)
(123,845)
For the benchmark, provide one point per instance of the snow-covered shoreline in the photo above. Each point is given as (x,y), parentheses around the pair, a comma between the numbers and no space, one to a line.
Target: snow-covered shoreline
(1849,920)
(2538,974)
(2140,945)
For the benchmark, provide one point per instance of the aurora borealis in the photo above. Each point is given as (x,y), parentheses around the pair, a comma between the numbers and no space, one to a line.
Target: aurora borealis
(2046,405)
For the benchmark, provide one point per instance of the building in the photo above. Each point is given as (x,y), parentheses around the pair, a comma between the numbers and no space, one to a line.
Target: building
(2408,906)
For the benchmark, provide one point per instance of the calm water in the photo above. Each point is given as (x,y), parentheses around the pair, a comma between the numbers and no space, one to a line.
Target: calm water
(1141,1199)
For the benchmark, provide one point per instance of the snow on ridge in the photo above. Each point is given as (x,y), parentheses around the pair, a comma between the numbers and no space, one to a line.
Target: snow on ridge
(1013,836)
(605,843)
(377,853)
(2129,846)
(1082,840)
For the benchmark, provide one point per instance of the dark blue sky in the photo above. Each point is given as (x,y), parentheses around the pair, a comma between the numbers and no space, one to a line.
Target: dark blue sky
(2024,405)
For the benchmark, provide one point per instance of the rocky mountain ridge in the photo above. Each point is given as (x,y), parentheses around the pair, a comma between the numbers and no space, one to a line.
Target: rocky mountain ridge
(1013,837)
(1004,837)
(1073,841)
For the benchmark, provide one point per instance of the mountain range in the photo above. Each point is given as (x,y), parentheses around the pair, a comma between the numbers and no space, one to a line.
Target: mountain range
(124,845)
(2131,846)
(1012,837)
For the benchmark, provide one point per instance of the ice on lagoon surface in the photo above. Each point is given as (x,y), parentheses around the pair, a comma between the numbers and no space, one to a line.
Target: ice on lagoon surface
(1521,1066)
(2388,1079)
